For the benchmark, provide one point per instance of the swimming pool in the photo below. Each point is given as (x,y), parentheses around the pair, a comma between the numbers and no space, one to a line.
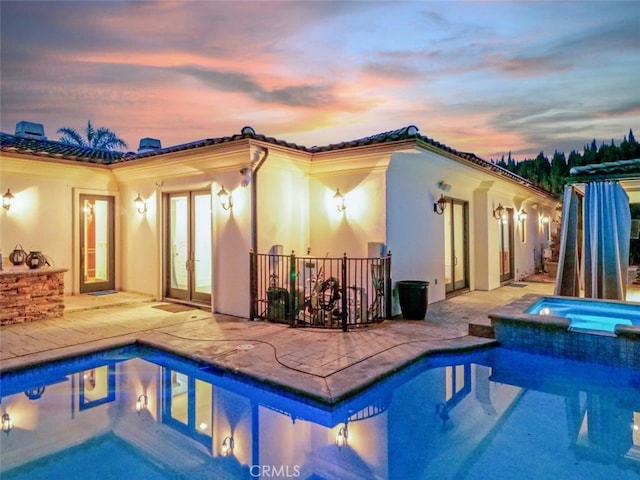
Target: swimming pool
(588,314)
(493,413)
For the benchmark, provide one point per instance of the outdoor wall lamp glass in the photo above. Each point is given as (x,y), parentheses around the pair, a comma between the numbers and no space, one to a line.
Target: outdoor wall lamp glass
(440,205)
(523,215)
(338,198)
(141,205)
(342,437)
(6,199)
(142,403)
(227,447)
(246,176)
(7,423)
(498,212)
(225,199)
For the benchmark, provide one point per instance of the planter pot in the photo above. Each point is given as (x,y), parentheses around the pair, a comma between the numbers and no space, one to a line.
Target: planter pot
(414,297)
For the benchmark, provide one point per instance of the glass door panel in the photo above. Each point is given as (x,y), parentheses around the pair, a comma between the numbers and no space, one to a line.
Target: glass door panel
(204,407)
(202,247)
(97,243)
(459,247)
(178,246)
(179,397)
(456,245)
(506,245)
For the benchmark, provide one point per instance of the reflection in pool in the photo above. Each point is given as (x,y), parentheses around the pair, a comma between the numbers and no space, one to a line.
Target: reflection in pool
(494,413)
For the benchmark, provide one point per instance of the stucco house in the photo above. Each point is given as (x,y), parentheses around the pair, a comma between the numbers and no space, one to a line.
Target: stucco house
(448,217)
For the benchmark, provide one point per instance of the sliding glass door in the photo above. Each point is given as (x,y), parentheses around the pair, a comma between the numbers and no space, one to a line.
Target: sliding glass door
(188,246)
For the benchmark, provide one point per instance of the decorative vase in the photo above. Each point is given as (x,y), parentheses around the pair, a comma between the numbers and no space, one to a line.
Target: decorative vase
(36,259)
(18,256)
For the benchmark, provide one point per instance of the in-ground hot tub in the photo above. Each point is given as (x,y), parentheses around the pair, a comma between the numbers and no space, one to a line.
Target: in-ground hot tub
(593,330)
(588,315)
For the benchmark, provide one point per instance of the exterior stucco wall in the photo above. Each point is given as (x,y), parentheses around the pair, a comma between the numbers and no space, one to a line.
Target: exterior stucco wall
(41,216)
(416,234)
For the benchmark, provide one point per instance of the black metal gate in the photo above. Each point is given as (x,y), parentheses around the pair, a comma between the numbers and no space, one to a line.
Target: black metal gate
(320,292)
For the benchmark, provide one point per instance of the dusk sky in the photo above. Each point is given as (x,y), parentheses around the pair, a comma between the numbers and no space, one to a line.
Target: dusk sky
(482,77)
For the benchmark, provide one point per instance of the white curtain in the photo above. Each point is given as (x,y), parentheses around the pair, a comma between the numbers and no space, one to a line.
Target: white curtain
(607,227)
(567,279)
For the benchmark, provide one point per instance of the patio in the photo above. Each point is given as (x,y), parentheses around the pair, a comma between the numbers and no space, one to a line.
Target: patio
(322,365)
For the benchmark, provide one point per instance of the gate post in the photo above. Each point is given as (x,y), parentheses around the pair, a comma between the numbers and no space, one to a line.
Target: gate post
(293,317)
(387,287)
(343,292)
(253,285)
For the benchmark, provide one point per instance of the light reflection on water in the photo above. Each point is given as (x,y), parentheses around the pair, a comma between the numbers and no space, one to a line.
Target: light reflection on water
(488,414)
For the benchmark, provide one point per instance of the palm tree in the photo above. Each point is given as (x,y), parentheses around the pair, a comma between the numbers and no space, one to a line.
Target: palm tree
(99,139)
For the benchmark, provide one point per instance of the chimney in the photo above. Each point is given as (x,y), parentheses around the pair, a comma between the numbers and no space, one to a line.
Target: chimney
(30,130)
(149,145)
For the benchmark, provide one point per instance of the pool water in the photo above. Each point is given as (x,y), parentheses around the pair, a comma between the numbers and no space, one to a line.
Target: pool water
(587,314)
(492,413)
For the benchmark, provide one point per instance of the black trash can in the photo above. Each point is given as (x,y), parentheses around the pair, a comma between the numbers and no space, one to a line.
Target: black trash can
(413,296)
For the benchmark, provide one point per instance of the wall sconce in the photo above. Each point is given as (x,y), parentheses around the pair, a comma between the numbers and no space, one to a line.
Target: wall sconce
(342,437)
(6,199)
(522,216)
(246,176)
(440,205)
(141,205)
(225,199)
(338,198)
(7,423)
(227,447)
(142,403)
(498,212)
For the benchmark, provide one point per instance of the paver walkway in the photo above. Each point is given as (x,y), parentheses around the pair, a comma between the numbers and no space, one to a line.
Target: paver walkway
(322,365)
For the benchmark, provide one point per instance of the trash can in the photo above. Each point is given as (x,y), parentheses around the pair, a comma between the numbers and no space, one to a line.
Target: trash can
(277,303)
(413,296)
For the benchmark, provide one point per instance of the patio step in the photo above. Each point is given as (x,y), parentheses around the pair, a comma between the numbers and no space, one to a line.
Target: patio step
(482,330)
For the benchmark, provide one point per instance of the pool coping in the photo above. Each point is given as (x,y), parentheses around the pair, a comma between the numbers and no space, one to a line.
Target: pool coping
(515,312)
(395,346)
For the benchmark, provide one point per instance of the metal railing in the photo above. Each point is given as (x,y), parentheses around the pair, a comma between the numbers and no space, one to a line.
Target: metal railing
(320,292)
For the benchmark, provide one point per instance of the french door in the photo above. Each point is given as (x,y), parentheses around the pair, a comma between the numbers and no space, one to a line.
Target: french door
(506,245)
(188,245)
(456,245)
(97,243)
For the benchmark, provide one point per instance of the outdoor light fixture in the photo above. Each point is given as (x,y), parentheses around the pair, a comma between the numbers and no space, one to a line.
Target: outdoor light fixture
(140,204)
(498,212)
(523,215)
(35,393)
(246,176)
(339,199)
(225,199)
(142,403)
(7,423)
(440,205)
(342,437)
(6,199)
(227,447)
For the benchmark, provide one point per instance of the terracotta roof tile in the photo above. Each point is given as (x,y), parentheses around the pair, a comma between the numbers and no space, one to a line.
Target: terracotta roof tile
(52,149)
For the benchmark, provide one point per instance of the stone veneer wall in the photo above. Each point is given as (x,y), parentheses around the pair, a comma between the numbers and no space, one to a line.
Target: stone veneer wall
(25,297)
